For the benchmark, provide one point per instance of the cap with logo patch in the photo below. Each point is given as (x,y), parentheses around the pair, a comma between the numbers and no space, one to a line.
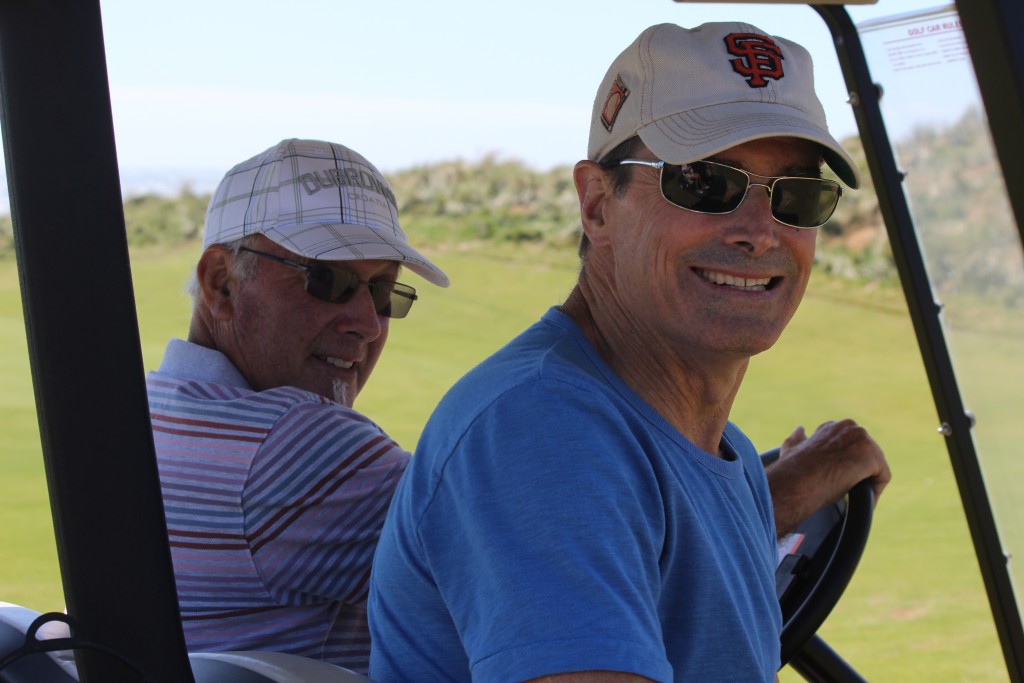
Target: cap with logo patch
(316,199)
(692,93)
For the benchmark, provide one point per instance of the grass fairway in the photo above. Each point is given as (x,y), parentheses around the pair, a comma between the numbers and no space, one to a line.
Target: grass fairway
(916,611)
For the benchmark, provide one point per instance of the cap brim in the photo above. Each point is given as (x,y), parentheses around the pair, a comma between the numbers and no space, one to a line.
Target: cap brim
(700,133)
(348,242)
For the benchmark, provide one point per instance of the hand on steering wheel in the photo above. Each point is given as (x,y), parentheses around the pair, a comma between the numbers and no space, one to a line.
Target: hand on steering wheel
(840,532)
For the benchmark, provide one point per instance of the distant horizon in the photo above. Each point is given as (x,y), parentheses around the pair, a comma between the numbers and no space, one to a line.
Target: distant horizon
(169,181)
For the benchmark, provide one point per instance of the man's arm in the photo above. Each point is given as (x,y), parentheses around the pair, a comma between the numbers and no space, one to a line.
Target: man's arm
(315,501)
(591,677)
(815,471)
(595,677)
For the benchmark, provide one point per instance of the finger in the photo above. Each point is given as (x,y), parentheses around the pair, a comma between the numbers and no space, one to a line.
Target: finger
(798,436)
(825,425)
(878,486)
(883,477)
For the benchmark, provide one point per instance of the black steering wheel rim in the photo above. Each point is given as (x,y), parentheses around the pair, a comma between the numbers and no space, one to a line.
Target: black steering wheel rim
(802,620)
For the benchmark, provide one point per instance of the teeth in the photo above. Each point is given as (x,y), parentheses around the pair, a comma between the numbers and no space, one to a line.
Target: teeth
(758,284)
(337,362)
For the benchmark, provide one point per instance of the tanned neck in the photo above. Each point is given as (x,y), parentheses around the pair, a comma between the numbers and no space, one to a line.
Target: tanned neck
(694,397)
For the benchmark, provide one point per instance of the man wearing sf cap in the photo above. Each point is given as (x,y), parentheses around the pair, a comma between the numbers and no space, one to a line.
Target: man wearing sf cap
(274,488)
(580,508)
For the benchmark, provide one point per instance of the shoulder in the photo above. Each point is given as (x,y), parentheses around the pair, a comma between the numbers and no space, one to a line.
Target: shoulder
(509,406)
(307,422)
(548,364)
(317,448)
(541,433)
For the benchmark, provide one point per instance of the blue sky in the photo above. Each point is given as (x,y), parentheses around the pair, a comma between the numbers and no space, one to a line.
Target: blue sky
(197,86)
(204,85)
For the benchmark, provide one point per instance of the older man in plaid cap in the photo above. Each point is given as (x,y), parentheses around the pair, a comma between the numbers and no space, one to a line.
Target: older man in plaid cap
(275,489)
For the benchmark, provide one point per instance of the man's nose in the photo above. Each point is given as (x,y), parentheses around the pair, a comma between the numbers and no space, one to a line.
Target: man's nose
(360,316)
(754,229)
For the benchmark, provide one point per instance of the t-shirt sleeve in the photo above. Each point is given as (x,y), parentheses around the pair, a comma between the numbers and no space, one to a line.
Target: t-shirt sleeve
(315,502)
(544,534)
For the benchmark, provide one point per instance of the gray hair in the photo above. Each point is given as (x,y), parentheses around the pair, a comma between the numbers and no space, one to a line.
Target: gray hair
(243,263)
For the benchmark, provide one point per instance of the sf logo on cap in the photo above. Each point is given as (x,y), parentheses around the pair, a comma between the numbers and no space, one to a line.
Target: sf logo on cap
(758,57)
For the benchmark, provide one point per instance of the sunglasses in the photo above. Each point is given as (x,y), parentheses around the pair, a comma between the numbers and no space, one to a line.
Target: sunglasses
(710,187)
(338,285)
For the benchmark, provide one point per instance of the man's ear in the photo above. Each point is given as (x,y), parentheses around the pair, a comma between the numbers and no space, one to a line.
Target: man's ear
(217,281)
(594,188)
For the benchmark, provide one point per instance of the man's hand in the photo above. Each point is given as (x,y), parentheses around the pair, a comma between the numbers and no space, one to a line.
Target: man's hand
(815,471)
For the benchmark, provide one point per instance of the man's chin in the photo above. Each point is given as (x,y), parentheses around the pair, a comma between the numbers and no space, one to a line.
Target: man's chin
(341,393)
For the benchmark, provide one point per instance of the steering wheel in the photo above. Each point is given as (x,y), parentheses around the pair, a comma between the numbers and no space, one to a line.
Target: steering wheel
(818,560)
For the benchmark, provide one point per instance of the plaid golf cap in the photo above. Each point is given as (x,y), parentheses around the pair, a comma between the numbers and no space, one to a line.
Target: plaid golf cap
(692,93)
(317,199)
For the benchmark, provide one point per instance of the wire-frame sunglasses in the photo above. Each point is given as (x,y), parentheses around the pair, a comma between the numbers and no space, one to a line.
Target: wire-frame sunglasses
(711,187)
(338,285)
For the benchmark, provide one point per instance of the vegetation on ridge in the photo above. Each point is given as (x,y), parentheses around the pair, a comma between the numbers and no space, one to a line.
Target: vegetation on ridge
(462,204)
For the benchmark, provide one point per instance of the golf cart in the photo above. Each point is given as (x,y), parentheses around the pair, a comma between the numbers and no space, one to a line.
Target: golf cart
(122,614)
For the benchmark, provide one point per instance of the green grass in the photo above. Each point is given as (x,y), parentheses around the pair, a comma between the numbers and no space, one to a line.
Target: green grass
(916,610)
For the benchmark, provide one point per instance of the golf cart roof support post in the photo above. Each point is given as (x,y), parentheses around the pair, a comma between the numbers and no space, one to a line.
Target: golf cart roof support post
(924,314)
(83,340)
(992,31)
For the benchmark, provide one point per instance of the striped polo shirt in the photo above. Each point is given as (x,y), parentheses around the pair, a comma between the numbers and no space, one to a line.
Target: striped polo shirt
(274,503)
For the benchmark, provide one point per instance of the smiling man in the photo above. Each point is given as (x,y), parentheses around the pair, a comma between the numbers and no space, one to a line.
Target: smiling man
(274,488)
(580,507)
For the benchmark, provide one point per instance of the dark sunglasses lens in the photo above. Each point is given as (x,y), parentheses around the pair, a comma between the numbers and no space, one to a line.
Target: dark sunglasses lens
(336,285)
(703,186)
(381,292)
(804,202)
(392,299)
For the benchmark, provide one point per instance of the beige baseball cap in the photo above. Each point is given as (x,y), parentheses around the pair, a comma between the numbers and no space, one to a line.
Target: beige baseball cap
(692,93)
(317,199)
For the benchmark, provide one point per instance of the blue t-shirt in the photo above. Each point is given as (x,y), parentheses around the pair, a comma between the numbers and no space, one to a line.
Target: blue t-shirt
(551,521)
